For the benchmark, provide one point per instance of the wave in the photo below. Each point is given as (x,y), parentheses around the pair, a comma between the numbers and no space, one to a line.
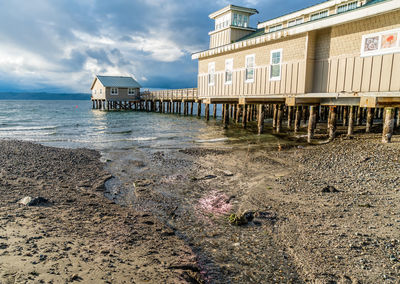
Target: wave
(27,128)
(119,132)
(211,140)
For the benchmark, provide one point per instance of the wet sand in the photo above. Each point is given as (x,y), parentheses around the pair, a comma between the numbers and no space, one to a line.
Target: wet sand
(80,235)
(325,213)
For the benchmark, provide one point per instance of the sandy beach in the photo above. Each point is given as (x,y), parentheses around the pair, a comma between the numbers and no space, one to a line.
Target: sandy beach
(324,213)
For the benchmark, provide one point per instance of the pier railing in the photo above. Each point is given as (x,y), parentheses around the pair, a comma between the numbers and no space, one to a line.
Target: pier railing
(177,94)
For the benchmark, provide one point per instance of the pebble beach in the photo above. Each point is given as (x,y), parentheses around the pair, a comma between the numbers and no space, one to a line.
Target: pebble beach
(324,213)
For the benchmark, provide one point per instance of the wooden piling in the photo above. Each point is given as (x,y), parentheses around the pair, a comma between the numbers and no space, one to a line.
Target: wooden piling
(370,122)
(226,116)
(274,116)
(297,119)
(398,117)
(332,122)
(239,109)
(207,112)
(249,110)
(311,124)
(351,121)
(191,108)
(304,115)
(345,114)
(358,116)
(289,115)
(279,118)
(261,114)
(244,116)
(214,111)
(199,109)
(388,125)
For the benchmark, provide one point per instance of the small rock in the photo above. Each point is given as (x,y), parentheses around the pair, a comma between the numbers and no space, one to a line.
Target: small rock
(37,201)
(329,189)
(227,173)
(241,219)
(75,277)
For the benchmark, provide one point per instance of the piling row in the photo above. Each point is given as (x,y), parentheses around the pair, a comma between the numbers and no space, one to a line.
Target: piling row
(295,117)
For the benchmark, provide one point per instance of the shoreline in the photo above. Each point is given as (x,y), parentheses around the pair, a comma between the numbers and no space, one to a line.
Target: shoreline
(322,213)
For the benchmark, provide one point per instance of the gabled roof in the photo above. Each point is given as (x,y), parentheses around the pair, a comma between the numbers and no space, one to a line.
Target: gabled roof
(117,82)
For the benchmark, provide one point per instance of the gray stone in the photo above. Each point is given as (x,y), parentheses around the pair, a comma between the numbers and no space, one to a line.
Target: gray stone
(36,201)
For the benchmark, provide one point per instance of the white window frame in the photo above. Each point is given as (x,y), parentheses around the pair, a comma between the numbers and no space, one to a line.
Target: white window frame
(133,93)
(319,13)
(101,91)
(211,66)
(112,93)
(275,28)
(277,78)
(246,68)
(347,4)
(295,22)
(230,62)
(380,51)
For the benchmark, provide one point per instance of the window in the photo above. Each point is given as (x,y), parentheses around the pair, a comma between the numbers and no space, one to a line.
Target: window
(131,92)
(381,43)
(101,91)
(319,15)
(346,7)
(235,19)
(240,20)
(295,22)
(275,28)
(250,68)
(94,91)
(211,73)
(114,91)
(276,62)
(228,71)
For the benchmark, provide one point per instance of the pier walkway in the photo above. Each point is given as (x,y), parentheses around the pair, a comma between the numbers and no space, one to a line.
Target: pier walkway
(296,116)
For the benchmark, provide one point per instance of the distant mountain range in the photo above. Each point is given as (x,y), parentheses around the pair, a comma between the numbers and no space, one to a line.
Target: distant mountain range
(43,96)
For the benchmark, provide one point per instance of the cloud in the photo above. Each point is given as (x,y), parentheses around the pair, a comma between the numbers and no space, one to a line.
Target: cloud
(61,45)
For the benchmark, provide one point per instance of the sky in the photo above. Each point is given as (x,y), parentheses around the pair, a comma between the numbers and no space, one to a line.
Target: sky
(60,45)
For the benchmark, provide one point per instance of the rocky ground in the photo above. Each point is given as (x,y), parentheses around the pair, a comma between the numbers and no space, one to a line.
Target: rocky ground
(78,235)
(325,213)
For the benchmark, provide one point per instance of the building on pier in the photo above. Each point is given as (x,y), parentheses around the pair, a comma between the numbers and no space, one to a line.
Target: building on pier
(334,53)
(115,88)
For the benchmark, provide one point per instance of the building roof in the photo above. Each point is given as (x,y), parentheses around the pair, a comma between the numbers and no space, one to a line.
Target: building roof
(262,31)
(117,81)
(373,2)
(365,11)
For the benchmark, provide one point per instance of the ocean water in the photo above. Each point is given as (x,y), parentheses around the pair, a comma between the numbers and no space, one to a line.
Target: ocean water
(74,124)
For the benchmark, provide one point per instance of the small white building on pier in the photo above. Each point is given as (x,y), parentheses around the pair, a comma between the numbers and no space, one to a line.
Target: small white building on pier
(115,88)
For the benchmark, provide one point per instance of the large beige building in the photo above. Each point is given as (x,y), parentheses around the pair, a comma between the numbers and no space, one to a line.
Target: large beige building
(347,51)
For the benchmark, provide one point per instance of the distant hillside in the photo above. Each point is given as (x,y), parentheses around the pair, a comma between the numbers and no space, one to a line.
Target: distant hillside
(43,96)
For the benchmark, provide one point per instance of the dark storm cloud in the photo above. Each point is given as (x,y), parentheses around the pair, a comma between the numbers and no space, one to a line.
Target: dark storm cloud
(62,44)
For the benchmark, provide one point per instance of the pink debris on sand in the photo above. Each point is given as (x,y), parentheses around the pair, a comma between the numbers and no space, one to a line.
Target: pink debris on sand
(215,202)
